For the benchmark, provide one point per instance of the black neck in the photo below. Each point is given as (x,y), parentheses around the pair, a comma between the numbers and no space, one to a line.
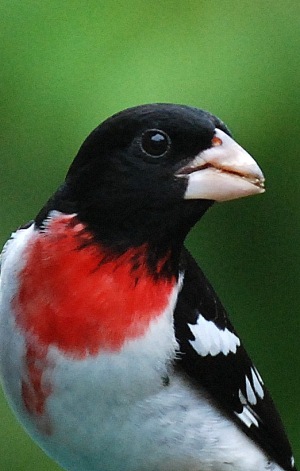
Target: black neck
(160,229)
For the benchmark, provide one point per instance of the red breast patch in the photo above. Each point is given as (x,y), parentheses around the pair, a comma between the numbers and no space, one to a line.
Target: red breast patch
(72,296)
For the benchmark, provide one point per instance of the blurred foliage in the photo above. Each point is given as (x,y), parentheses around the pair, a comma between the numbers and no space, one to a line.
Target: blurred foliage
(68,65)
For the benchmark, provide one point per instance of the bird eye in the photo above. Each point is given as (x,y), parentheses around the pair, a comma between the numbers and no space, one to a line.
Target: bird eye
(155,142)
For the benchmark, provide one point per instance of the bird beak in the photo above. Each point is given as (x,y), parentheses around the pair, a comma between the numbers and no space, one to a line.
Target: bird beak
(223,172)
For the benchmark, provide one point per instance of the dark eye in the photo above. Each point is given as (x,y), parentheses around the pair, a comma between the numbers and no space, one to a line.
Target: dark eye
(155,142)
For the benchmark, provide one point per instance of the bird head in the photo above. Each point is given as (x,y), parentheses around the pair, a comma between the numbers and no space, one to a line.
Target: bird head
(150,172)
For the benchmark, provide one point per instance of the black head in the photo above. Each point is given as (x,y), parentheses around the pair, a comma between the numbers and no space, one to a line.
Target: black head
(188,130)
(124,180)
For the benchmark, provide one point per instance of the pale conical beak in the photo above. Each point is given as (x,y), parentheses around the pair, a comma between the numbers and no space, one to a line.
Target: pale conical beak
(223,172)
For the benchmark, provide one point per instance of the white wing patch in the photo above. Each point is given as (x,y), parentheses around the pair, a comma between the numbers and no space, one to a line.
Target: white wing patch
(247,416)
(257,382)
(250,393)
(258,375)
(210,340)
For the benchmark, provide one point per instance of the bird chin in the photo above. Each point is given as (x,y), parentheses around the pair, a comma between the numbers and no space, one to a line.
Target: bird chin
(218,185)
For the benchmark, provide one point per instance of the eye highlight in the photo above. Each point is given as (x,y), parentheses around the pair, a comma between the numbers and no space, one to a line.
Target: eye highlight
(155,142)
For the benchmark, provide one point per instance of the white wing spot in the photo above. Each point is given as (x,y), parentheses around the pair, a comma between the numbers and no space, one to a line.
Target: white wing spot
(210,340)
(258,375)
(247,417)
(257,383)
(292,461)
(250,393)
(242,398)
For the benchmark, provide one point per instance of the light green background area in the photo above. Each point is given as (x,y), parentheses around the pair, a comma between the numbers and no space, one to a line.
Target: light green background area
(67,65)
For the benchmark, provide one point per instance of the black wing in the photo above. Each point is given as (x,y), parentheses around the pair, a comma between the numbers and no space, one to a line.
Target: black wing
(213,355)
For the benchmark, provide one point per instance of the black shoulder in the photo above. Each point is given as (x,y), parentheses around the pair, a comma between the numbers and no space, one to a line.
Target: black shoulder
(214,357)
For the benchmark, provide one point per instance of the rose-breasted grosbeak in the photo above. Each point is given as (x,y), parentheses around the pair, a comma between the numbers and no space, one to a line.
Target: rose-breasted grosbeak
(116,353)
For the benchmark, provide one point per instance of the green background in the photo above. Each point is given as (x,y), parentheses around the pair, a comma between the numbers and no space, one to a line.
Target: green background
(67,65)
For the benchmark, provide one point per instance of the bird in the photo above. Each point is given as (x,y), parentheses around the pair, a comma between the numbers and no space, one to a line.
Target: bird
(116,353)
